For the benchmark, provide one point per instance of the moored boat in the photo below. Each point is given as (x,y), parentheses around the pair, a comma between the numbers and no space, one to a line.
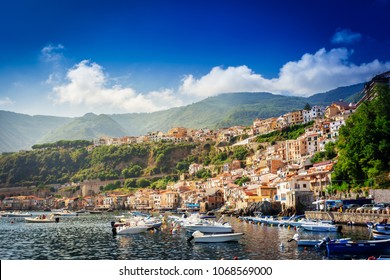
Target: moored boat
(95,212)
(129,228)
(43,219)
(210,228)
(65,213)
(16,214)
(200,237)
(311,242)
(381,232)
(361,247)
(319,226)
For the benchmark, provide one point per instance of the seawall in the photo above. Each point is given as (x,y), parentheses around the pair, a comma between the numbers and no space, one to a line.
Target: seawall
(357,218)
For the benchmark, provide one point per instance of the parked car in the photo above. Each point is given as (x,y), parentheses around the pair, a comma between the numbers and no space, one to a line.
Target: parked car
(351,206)
(365,207)
(380,206)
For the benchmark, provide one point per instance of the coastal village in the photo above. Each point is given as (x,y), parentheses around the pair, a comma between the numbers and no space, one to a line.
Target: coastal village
(279,172)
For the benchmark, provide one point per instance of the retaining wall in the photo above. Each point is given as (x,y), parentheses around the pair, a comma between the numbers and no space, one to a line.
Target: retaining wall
(358,218)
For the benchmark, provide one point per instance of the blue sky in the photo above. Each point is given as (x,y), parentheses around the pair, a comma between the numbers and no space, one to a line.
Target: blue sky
(67,58)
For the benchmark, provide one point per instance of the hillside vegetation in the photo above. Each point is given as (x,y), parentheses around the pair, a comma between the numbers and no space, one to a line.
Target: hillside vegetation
(58,164)
(364,145)
(20,131)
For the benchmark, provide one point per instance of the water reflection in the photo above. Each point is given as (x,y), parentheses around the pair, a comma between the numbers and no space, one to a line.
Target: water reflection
(89,237)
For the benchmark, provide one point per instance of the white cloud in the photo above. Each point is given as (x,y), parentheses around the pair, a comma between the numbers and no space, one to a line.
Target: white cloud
(6,101)
(88,85)
(232,79)
(346,36)
(51,53)
(311,74)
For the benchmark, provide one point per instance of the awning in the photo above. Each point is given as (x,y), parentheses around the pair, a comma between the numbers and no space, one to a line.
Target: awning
(319,201)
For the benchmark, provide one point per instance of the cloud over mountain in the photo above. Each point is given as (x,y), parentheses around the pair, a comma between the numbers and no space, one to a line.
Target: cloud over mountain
(313,73)
(88,85)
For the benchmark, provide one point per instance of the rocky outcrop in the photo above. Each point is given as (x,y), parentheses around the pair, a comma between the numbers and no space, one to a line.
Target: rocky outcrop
(265,207)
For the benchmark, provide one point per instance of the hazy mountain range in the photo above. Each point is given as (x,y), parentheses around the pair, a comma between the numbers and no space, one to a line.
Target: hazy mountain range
(20,131)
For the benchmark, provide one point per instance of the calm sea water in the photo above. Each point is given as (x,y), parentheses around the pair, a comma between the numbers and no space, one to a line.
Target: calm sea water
(89,237)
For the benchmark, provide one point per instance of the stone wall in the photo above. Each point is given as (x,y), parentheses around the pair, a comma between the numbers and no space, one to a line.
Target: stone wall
(380,195)
(344,217)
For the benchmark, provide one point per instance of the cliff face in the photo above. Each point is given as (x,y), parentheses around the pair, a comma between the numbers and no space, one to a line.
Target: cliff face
(264,207)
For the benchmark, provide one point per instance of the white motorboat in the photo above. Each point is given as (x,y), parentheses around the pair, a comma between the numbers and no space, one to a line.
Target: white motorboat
(66,213)
(43,219)
(129,229)
(210,227)
(207,226)
(200,237)
(319,226)
(16,214)
(151,222)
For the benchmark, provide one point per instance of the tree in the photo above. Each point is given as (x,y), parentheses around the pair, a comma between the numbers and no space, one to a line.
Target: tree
(364,142)
(203,174)
(130,183)
(240,181)
(143,183)
(133,171)
(307,107)
(240,153)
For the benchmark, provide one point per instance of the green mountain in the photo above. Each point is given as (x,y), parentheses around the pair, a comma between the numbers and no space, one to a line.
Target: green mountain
(349,93)
(20,131)
(86,127)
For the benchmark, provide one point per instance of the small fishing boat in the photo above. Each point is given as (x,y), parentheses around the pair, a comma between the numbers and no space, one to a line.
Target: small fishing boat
(43,219)
(360,247)
(311,242)
(200,237)
(381,232)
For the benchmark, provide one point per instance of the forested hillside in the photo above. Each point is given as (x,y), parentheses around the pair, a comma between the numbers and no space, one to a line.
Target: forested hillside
(364,145)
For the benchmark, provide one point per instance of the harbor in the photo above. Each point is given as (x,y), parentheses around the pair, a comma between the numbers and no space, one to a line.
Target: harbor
(90,237)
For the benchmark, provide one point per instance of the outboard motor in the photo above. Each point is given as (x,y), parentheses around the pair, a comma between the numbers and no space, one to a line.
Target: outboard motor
(57,219)
(112,224)
(114,232)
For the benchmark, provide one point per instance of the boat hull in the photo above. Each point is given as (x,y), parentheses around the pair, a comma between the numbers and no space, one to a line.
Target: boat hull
(321,228)
(210,228)
(381,234)
(218,238)
(40,221)
(16,215)
(131,230)
(358,247)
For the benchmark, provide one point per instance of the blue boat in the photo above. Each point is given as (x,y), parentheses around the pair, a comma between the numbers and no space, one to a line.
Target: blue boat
(361,247)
